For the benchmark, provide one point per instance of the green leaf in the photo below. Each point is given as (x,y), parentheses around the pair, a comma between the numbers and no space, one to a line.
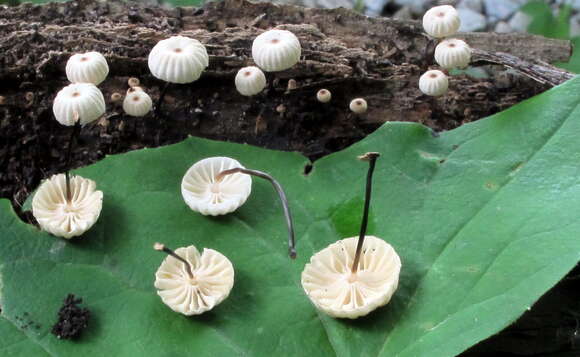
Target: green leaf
(545,23)
(484,217)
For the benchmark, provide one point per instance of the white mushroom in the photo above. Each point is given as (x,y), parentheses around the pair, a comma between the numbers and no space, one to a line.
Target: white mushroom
(178,59)
(334,289)
(133,82)
(358,105)
(276,50)
(89,67)
(434,83)
(67,218)
(441,21)
(196,283)
(250,81)
(137,103)
(323,96)
(208,196)
(453,53)
(82,102)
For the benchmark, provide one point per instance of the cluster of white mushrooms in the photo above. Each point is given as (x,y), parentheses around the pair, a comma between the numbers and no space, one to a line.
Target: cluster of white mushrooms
(441,22)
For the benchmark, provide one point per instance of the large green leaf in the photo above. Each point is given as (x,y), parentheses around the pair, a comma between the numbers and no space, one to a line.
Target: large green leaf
(485,219)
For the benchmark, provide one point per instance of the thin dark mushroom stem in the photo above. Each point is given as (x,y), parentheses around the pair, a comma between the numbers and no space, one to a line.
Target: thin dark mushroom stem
(161,98)
(162,248)
(73,138)
(371,157)
(283,199)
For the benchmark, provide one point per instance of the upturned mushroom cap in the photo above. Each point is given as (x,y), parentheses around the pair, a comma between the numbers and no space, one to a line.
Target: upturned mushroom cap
(250,81)
(358,105)
(434,83)
(334,289)
(89,67)
(453,53)
(203,194)
(323,96)
(137,103)
(78,101)
(441,21)
(213,279)
(276,50)
(60,217)
(178,59)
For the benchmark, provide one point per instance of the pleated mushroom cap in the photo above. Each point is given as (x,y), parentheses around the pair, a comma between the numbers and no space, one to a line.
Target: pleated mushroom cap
(89,67)
(433,83)
(213,279)
(178,59)
(453,53)
(323,96)
(358,105)
(203,194)
(137,103)
(276,50)
(441,21)
(250,81)
(62,218)
(78,101)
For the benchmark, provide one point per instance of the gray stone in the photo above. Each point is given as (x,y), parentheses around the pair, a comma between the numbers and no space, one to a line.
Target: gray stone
(520,22)
(404,13)
(475,5)
(375,7)
(502,9)
(418,7)
(471,20)
(503,27)
(575,25)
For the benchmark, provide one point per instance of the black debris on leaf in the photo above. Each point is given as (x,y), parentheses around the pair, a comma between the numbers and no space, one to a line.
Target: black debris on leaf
(72,319)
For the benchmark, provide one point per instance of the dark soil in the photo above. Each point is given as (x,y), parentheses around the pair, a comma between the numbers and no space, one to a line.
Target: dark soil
(72,319)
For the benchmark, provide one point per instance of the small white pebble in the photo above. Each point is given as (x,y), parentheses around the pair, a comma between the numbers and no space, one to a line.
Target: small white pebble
(358,105)
(323,96)
(434,83)
(441,21)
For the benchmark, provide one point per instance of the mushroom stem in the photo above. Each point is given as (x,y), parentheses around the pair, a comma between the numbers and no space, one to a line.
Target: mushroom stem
(283,199)
(162,248)
(161,97)
(73,137)
(371,157)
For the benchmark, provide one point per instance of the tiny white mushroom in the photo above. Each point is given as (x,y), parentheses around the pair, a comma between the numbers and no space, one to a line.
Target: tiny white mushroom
(323,96)
(133,82)
(453,53)
(434,83)
(62,217)
(178,59)
(89,67)
(78,101)
(276,50)
(358,105)
(441,21)
(203,193)
(137,103)
(192,283)
(250,81)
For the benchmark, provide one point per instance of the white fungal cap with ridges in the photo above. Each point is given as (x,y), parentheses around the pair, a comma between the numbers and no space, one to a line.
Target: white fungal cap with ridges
(358,105)
(323,96)
(276,50)
(90,67)
(178,59)
(204,194)
(212,281)
(56,215)
(333,288)
(453,53)
(434,83)
(137,103)
(250,81)
(441,21)
(78,101)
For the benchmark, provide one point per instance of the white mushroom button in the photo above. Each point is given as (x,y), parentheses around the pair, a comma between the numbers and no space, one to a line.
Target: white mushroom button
(90,67)
(81,102)
(434,83)
(358,105)
(323,96)
(441,21)
(62,217)
(196,283)
(276,50)
(178,59)
(203,193)
(250,81)
(137,103)
(453,53)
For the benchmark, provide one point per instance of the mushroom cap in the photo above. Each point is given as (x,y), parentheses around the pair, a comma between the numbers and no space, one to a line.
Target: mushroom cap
(137,103)
(213,279)
(62,218)
(203,194)
(332,288)
(178,59)
(453,53)
(250,81)
(82,101)
(358,105)
(324,95)
(276,50)
(441,21)
(89,67)
(434,83)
